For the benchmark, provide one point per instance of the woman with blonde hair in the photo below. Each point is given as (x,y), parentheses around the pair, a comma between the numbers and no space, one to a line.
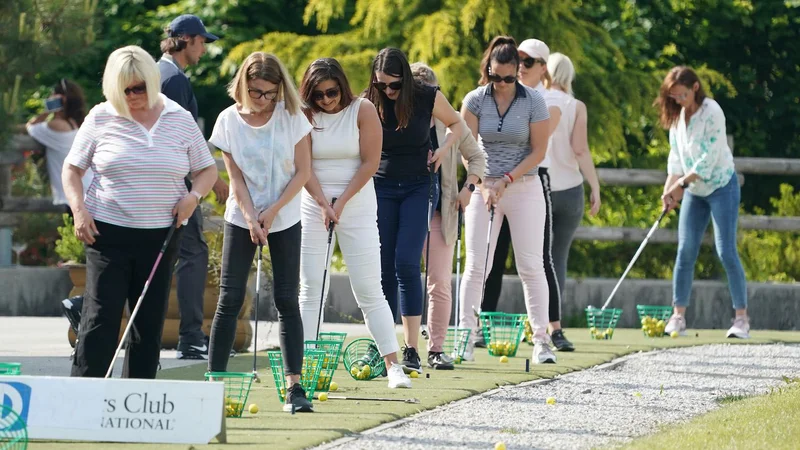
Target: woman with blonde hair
(445,223)
(140,145)
(265,145)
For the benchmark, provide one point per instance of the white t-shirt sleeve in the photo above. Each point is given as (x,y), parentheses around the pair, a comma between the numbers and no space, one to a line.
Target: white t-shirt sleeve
(44,135)
(219,136)
(300,127)
(199,154)
(85,143)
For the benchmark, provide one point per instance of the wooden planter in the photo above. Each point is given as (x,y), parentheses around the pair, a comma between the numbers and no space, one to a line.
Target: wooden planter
(169,338)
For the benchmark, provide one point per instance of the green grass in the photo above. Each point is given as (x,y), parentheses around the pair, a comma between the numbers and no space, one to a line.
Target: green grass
(272,428)
(769,421)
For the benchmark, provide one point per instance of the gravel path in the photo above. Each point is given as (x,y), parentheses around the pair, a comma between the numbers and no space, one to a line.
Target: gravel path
(603,406)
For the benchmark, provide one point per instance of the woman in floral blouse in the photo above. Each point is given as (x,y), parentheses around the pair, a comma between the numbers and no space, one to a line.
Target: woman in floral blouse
(703,179)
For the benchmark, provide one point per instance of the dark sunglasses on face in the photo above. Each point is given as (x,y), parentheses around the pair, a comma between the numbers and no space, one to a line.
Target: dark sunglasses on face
(507,79)
(257,93)
(139,89)
(394,85)
(330,93)
(529,62)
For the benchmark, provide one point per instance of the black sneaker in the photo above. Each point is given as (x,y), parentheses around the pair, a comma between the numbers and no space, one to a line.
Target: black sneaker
(72,309)
(437,361)
(189,351)
(411,362)
(560,341)
(296,400)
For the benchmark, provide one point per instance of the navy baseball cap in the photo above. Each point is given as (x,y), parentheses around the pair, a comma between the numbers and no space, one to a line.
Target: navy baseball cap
(192,25)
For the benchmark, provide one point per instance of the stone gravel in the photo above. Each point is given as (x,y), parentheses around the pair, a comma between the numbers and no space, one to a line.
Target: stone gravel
(603,406)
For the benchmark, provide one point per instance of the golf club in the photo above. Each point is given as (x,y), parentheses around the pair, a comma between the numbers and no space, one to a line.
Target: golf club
(635,257)
(325,273)
(456,316)
(428,245)
(258,291)
(374,399)
(141,297)
(488,245)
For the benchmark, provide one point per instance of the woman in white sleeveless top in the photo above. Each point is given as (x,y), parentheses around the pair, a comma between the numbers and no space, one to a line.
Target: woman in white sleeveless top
(346,149)
(570,163)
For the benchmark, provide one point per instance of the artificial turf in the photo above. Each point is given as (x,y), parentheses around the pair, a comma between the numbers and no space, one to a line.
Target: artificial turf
(272,428)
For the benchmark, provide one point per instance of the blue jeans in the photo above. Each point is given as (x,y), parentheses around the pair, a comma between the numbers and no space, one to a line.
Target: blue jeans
(403,227)
(722,206)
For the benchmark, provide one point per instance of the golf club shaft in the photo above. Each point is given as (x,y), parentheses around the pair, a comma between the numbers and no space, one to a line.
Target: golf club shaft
(141,297)
(488,246)
(325,273)
(258,292)
(374,399)
(428,245)
(457,317)
(635,257)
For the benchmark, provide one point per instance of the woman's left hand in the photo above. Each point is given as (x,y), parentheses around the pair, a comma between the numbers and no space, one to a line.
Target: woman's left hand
(496,191)
(673,196)
(436,158)
(184,209)
(462,201)
(266,218)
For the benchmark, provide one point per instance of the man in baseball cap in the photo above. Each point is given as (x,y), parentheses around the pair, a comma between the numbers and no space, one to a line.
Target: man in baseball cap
(183,46)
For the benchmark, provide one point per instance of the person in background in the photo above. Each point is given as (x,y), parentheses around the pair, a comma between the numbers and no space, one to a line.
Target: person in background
(265,145)
(140,145)
(404,183)
(184,45)
(58,133)
(346,149)
(511,123)
(702,178)
(444,224)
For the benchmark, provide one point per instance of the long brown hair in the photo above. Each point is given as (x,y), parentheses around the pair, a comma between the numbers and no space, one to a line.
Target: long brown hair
(324,69)
(74,102)
(502,50)
(670,109)
(392,61)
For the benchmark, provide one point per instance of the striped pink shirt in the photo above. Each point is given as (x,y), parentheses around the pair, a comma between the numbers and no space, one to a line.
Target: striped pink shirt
(138,173)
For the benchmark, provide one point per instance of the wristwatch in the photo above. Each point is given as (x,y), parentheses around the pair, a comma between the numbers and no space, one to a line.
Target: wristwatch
(471,187)
(197,194)
(683,184)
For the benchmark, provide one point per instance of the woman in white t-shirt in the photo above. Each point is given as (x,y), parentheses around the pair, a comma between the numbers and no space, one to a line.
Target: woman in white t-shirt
(265,145)
(346,149)
(58,134)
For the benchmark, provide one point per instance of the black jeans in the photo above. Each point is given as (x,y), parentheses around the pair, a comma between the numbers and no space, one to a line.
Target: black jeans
(117,266)
(494,282)
(237,260)
(191,273)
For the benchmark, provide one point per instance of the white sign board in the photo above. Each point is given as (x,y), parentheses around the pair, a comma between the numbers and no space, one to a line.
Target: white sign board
(115,410)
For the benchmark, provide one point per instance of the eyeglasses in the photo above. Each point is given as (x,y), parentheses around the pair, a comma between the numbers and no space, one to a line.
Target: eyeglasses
(507,79)
(139,89)
(680,97)
(330,93)
(394,85)
(529,62)
(257,93)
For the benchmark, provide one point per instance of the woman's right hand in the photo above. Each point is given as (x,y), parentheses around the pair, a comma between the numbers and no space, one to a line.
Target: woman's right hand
(85,228)
(328,216)
(257,233)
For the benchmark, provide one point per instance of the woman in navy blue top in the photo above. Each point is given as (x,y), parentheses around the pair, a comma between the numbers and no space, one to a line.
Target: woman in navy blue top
(404,183)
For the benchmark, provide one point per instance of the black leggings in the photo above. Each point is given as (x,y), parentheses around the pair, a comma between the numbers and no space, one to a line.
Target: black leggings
(494,282)
(237,260)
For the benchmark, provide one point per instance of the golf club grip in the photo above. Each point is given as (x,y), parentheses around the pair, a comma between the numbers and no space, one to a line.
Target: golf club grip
(330,225)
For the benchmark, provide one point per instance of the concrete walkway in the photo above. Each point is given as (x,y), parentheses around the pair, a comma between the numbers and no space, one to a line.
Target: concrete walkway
(40,344)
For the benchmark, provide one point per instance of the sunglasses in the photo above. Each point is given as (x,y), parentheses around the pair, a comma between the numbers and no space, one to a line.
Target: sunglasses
(330,93)
(255,94)
(139,89)
(507,79)
(529,62)
(680,97)
(394,85)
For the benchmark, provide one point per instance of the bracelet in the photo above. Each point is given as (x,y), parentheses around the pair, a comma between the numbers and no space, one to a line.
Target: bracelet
(508,174)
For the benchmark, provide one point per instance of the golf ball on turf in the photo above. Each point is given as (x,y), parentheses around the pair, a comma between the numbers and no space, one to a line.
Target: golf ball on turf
(674,334)
(253,408)
(500,446)
(551,400)
(323,397)
(334,386)
(413,374)
(504,359)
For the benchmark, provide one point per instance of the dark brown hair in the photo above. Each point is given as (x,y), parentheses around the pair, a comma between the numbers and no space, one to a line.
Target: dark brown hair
(502,50)
(670,109)
(173,44)
(392,61)
(74,101)
(324,69)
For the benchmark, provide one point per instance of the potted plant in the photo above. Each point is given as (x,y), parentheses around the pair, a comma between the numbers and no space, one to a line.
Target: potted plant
(73,255)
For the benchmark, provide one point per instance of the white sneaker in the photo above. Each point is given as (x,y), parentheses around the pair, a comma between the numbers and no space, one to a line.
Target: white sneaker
(676,323)
(740,328)
(468,352)
(398,378)
(543,354)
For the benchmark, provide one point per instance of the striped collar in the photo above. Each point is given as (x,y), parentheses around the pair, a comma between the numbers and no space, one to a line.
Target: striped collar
(521,93)
(169,106)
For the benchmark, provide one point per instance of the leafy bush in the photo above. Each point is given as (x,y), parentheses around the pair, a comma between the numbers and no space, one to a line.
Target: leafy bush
(69,248)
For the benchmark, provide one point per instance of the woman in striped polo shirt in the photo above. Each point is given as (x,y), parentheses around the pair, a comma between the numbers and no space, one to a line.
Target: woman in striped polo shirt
(140,145)
(510,121)
(264,138)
